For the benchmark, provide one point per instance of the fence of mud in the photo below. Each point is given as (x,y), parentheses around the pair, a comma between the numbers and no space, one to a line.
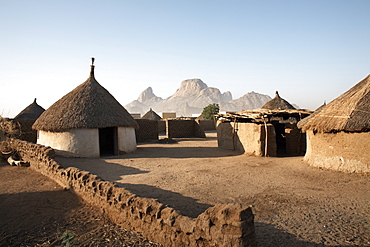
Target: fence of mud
(221,225)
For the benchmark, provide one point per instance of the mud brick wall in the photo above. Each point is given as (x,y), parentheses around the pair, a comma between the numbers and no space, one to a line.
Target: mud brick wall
(221,225)
(184,129)
(207,124)
(148,130)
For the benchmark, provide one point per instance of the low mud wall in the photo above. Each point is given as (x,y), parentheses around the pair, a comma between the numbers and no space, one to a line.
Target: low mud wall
(148,130)
(207,124)
(221,225)
(179,128)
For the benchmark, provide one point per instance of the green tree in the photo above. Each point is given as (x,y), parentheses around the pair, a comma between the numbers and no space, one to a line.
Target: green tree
(210,110)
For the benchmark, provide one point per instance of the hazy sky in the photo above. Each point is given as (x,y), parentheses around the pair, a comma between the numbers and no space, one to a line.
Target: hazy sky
(310,51)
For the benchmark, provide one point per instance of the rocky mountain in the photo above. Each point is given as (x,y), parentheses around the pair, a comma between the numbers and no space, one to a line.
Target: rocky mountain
(192,96)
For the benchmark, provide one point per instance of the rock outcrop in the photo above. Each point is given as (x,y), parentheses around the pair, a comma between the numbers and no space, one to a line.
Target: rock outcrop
(192,96)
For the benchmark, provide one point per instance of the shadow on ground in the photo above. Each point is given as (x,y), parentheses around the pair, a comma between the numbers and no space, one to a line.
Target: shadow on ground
(114,172)
(187,206)
(108,171)
(29,217)
(269,236)
(177,152)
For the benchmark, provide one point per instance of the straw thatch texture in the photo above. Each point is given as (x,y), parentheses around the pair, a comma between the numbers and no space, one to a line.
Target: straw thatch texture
(278,103)
(306,119)
(87,106)
(151,115)
(33,111)
(348,112)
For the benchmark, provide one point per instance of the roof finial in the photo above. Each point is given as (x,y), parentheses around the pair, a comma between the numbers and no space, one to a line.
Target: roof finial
(277,94)
(92,67)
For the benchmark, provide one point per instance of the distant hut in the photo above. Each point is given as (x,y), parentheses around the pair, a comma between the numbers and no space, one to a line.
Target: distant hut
(33,111)
(87,122)
(278,103)
(26,119)
(148,127)
(263,132)
(338,136)
(151,115)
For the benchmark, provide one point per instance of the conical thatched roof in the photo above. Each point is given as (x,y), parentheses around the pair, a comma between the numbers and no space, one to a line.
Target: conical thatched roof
(151,115)
(277,103)
(348,112)
(87,106)
(33,111)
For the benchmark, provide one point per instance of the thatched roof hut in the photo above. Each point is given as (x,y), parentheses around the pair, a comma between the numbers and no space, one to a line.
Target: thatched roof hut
(87,106)
(338,134)
(33,111)
(151,115)
(87,122)
(278,103)
(349,112)
(25,119)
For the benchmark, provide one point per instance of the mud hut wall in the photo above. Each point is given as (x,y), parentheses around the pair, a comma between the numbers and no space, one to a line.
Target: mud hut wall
(295,140)
(341,151)
(183,129)
(148,130)
(207,124)
(26,131)
(72,143)
(126,139)
(248,138)
(221,225)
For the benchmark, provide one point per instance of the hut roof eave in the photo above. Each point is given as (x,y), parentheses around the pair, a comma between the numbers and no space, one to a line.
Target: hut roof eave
(349,112)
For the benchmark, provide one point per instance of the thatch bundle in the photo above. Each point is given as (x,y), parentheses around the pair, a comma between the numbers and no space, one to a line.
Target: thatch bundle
(278,103)
(348,112)
(266,115)
(87,106)
(33,111)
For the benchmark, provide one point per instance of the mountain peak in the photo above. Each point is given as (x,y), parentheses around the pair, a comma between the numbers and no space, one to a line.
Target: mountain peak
(190,88)
(192,96)
(146,95)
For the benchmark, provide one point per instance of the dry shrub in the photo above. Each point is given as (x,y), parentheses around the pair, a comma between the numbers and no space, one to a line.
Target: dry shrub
(8,129)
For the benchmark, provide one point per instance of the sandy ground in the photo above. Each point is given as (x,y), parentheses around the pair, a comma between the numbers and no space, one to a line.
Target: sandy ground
(294,204)
(36,211)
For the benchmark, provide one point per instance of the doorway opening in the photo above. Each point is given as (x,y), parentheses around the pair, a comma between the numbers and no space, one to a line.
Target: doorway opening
(108,141)
(280,138)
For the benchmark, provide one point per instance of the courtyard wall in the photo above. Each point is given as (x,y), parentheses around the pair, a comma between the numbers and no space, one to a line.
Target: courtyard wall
(221,225)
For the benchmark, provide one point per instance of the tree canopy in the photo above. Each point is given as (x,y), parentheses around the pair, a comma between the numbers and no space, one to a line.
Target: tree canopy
(210,110)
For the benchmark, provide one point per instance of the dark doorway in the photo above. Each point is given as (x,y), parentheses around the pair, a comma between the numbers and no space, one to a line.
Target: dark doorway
(280,138)
(108,141)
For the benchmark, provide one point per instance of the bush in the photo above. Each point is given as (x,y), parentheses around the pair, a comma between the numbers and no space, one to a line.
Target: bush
(210,110)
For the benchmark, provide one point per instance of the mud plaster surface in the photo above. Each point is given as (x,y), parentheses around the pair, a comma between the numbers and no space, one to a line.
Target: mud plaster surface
(294,204)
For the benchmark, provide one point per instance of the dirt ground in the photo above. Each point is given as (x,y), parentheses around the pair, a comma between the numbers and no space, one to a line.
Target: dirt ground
(294,204)
(36,211)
